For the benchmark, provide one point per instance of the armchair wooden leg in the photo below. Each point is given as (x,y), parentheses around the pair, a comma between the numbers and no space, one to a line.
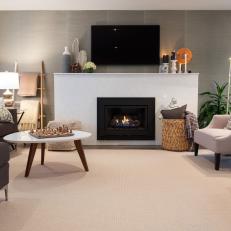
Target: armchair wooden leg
(217,161)
(196,147)
(6,192)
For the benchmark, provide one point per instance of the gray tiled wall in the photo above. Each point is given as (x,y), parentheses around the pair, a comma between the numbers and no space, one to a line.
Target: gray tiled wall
(32,36)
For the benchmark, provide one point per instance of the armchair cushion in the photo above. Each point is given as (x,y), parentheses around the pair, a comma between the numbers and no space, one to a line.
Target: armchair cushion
(219,121)
(5,115)
(214,139)
(228,125)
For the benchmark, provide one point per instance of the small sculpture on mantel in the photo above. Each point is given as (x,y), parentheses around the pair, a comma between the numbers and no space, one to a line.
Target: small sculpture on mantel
(173,103)
(173,67)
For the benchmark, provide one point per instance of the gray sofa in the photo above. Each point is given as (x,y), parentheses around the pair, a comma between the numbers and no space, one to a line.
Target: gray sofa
(4,167)
(7,128)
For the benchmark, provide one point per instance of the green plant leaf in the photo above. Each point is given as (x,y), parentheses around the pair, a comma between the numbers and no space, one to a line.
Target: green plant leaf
(216,104)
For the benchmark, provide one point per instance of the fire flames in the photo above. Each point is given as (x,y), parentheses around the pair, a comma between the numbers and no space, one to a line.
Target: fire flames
(124,121)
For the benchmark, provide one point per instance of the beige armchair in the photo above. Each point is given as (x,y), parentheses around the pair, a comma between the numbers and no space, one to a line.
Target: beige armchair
(215,138)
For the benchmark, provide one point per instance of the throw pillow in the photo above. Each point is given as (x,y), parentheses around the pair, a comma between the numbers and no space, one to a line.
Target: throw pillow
(5,115)
(176,113)
(1,102)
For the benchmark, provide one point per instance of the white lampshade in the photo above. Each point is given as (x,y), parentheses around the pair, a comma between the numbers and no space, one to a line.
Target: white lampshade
(9,80)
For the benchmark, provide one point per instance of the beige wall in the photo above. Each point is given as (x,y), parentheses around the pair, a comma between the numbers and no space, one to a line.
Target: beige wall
(32,36)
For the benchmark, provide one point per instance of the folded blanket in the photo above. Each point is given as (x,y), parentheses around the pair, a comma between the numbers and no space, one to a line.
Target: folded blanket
(191,125)
(28,84)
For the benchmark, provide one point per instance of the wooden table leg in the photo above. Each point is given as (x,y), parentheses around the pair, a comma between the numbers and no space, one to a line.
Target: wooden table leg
(79,147)
(32,151)
(43,146)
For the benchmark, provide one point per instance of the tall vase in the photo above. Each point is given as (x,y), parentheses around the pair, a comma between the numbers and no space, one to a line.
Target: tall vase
(82,58)
(66,60)
(75,50)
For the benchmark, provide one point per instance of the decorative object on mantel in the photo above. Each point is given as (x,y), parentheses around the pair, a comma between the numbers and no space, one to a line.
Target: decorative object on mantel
(173,103)
(66,62)
(75,67)
(82,58)
(164,67)
(184,56)
(89,67)
(173,68)
(75,50)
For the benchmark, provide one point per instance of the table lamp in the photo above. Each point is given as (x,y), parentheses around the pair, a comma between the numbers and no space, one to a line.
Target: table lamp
(9,80)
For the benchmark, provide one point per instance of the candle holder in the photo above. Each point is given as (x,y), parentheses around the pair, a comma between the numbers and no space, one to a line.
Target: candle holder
(184,56)
(173,68)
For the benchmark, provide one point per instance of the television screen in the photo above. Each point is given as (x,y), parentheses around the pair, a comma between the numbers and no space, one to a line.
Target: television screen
(123,44)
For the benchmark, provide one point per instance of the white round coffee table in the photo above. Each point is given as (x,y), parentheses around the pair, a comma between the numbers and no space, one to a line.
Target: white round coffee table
(26,138)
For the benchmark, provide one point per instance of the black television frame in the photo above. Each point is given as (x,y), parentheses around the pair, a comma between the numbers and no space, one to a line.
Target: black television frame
(156,45)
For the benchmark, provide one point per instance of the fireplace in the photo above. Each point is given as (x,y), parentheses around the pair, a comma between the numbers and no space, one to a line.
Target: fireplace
(125,118)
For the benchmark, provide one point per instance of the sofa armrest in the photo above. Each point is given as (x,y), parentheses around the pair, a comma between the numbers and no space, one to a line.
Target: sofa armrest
(4,153)
(219,121)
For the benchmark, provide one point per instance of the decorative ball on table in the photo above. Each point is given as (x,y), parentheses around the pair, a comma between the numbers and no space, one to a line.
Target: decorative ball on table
(89,67)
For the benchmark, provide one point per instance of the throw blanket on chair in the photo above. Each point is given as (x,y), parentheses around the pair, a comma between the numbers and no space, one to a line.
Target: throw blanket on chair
(191,125)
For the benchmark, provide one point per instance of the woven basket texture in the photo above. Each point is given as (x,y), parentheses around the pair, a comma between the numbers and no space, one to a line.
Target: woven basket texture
(174,135)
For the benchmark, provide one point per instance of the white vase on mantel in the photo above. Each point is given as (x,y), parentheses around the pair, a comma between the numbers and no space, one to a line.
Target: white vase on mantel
(82,58)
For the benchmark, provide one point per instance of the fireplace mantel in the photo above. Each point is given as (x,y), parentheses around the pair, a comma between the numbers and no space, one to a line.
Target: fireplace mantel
(75,96)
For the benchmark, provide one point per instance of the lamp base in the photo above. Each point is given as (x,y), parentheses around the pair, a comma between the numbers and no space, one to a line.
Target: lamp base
(8,98)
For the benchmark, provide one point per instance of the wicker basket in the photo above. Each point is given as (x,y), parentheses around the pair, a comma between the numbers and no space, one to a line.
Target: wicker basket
(174,135)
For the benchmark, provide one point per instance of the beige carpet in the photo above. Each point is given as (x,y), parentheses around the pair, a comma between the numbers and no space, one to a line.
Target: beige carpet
(125,190)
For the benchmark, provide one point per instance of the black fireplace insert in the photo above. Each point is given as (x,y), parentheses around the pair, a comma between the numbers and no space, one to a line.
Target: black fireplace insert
(125,118)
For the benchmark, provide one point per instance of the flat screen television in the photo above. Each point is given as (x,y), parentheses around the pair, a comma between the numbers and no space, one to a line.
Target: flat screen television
(125,44)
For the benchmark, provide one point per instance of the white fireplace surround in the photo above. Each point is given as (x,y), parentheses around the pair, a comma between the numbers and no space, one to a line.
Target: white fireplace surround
(75,96)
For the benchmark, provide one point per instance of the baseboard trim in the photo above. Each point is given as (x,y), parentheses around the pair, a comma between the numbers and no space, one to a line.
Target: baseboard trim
(147,147)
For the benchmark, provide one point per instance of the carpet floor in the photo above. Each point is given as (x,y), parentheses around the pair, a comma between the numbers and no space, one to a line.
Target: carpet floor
(126,190)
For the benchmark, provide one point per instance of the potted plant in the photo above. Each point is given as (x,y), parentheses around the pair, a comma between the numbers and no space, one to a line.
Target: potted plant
(215,105)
